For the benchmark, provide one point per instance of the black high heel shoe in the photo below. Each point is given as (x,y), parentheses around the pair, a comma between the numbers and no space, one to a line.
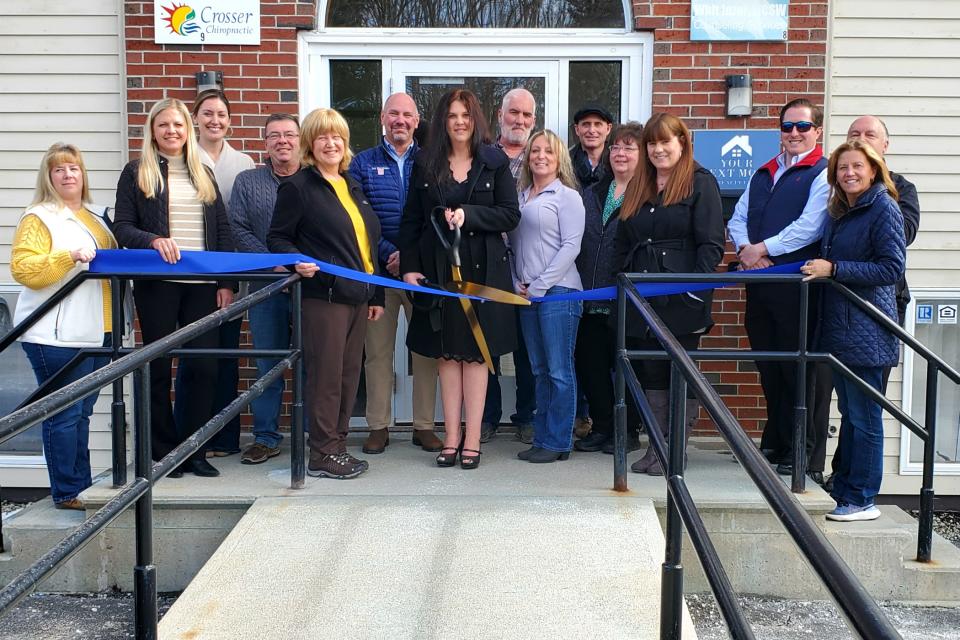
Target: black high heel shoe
(469,462)
(448,459)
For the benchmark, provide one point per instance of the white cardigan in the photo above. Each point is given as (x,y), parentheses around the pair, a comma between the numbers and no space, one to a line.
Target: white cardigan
(77,321)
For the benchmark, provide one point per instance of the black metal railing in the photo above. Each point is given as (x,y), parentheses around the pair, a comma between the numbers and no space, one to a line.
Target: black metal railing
(861,611)
(139,491)
(935,365)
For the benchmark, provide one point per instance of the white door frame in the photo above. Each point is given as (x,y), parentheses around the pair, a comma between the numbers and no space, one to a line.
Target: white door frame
(477,52)
(633,50)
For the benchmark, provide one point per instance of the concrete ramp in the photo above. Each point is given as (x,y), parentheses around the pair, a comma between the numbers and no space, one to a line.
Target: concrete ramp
(431,567)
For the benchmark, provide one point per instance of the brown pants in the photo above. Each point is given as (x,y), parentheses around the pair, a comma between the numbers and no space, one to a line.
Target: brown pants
(333,350)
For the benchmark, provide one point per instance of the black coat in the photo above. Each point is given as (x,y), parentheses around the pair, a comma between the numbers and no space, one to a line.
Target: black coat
(139,220)
(685,237)
(491,209)
(909,204)
(597,249)
(309,218)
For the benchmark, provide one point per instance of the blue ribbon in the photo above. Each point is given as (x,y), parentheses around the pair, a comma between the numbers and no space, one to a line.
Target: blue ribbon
(148,261)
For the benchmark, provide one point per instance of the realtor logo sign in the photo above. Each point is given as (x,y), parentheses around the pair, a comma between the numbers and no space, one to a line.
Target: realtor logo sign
(206,22)
(734,155)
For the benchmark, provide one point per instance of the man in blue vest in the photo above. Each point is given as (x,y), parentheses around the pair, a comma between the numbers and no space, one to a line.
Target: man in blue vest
(779,219)
(384,172)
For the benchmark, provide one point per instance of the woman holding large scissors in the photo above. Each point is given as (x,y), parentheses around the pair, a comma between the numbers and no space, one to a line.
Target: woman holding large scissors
(460,186)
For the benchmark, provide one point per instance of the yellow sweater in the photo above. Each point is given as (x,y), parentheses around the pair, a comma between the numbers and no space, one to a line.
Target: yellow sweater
(34,265)
(359,228)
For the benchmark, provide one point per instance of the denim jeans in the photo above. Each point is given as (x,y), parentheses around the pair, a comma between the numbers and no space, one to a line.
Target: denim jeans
(550,333)
(270,326)
(66,436)
(860,469)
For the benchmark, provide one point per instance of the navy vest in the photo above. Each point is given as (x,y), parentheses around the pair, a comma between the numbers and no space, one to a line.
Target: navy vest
(774,206)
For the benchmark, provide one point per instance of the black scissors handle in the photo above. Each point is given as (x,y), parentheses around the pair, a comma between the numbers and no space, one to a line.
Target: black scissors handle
(452,247)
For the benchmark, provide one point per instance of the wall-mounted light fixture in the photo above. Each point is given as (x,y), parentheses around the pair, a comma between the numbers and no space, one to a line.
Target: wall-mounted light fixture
(739,95)
(209,80)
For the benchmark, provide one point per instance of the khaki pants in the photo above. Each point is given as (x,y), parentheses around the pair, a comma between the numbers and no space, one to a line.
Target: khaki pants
(380,343)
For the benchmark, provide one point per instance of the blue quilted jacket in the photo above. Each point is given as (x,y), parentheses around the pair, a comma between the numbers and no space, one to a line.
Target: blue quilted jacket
(386,190)
(867,245)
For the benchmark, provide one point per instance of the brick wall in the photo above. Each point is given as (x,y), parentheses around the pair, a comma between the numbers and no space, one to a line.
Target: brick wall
(258,80)
(688,81)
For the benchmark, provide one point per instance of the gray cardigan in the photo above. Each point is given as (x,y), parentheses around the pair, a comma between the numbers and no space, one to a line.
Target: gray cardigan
(251,208)
(547,241)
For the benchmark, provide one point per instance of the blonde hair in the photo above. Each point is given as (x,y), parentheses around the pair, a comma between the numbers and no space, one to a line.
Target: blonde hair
(838,205)
(564,165)
(317,123)
(149,177)
(58,153)
(642,188)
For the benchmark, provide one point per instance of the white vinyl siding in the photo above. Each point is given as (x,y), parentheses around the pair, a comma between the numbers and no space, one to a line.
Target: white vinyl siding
(901,61)
(61,80)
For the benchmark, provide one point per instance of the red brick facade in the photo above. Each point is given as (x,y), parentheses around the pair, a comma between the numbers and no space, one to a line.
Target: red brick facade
(688,81)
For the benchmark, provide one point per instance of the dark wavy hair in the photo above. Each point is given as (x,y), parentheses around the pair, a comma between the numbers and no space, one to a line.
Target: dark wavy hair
(438,140)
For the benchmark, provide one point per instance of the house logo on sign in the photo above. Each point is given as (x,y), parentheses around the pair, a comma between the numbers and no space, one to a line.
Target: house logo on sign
(736,147)
(947,314)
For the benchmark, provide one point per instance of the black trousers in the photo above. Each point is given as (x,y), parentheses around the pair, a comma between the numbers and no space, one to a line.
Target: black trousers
(163,307)
(772,322)
(594,362)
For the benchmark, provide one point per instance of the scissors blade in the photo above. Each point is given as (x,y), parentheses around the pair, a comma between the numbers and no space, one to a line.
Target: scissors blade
(477,331)
(474,322)
(483,291)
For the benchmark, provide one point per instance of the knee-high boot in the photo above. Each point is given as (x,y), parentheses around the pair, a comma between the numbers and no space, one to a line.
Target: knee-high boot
(660,404)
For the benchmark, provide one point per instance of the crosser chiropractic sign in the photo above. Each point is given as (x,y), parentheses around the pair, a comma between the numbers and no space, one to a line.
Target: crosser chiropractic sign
(206,21)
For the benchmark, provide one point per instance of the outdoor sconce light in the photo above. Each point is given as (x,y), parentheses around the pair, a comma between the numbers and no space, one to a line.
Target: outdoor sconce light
(739,95)
(209,80)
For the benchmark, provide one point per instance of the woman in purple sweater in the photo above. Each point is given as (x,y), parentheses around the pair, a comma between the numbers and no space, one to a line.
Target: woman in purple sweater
(546,246)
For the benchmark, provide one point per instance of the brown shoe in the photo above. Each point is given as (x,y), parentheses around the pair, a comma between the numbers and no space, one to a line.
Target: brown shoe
(258,453)
(427,440)
(73,503)
(376,442)
(582,427)
(336,465)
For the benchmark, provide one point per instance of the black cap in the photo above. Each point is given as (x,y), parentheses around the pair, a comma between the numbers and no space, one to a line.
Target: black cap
(594,110)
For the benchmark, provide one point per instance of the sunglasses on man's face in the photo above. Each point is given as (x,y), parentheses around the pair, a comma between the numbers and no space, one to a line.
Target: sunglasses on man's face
(802,126)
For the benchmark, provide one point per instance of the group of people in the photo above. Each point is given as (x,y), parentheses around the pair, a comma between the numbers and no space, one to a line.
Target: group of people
(527,216)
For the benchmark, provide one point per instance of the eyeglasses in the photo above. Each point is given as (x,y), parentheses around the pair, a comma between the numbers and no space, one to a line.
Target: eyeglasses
(287,135)
(802,126)
(617,148)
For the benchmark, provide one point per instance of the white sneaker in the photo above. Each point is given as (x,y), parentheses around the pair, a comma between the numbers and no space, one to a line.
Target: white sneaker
(852,512)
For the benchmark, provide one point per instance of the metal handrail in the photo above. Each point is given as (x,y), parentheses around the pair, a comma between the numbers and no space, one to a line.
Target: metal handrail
(862,612)
(139,491)
(935,364)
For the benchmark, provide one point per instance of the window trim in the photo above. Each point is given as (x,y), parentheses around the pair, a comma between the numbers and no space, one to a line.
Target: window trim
(906,467)
(323,7)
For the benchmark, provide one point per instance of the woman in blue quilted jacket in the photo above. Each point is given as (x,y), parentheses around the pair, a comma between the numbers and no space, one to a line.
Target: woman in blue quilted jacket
(863,247)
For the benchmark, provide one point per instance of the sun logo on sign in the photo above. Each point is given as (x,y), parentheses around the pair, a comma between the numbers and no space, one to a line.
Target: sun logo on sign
(180,19)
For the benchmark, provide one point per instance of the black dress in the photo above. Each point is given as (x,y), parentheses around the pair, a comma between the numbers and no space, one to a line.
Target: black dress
(438,326)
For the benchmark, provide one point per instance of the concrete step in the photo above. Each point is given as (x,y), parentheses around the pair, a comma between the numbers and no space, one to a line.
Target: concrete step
(431,567)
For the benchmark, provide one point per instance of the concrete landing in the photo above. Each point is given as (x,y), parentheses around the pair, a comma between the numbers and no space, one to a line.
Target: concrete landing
(430,567)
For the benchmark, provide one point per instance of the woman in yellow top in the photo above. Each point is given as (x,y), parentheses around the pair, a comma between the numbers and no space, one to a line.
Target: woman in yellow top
(56,239)
(322,212)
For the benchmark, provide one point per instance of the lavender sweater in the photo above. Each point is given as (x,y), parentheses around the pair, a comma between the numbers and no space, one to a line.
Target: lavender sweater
(547,241)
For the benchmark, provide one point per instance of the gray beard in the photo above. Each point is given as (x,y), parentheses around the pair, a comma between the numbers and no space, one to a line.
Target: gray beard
(513,138)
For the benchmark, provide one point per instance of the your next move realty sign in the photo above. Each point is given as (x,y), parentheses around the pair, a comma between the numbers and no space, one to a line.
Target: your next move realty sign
(206,22)
(734,155)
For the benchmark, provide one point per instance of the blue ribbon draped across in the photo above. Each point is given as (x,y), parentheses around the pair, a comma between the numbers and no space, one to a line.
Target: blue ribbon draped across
(148,261)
